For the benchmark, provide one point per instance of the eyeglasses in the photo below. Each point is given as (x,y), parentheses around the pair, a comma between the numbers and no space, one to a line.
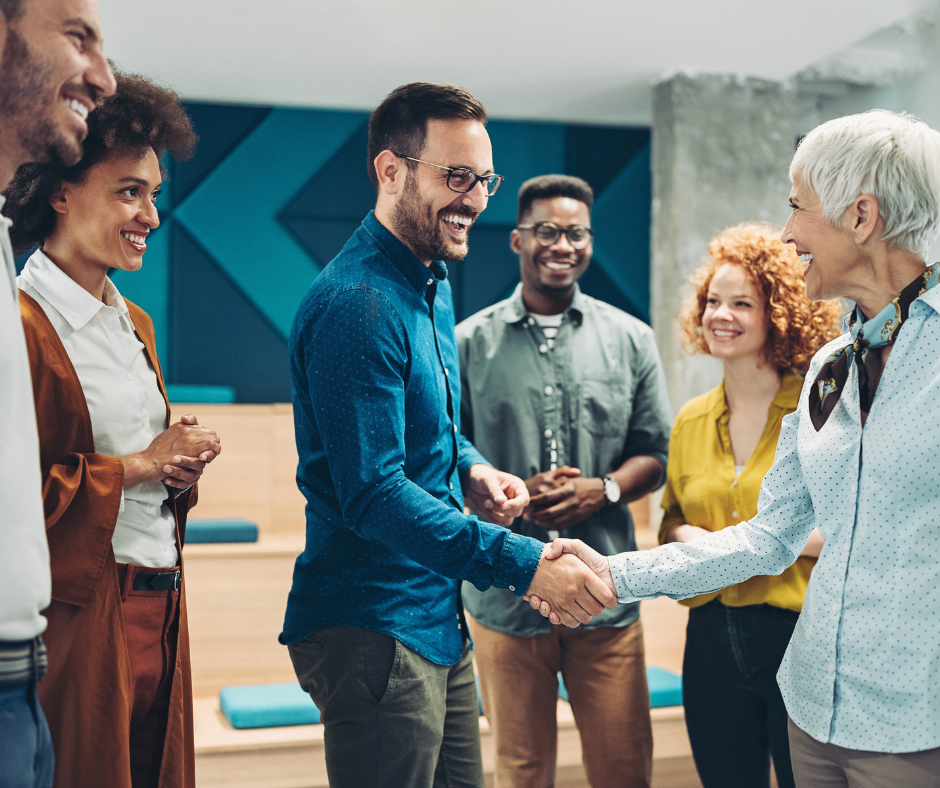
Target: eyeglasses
(461,179)
(548,233)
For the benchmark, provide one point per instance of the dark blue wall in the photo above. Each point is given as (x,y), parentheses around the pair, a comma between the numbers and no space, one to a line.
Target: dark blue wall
(272,195)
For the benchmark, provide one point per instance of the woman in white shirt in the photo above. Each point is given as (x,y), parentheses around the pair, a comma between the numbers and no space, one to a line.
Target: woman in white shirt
(118,479)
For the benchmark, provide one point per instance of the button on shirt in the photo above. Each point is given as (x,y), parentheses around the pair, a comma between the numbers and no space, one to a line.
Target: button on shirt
(375,388)
(124,401)
(861,670)
(25,580)
(594,397)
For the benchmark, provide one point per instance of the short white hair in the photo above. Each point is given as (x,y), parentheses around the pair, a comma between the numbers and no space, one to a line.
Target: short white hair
(894,157)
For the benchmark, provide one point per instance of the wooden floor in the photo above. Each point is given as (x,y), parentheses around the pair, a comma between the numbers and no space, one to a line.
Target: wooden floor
(237,596)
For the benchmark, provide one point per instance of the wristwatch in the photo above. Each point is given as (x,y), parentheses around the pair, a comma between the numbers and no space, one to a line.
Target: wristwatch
(611,489)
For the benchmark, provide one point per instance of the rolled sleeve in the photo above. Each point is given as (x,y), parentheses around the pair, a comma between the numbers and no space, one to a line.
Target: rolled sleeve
(651,420)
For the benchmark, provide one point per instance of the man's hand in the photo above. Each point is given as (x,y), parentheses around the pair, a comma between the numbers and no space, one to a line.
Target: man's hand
(569,589)
(558,550)
(568,502)
(549,480)
(500,496)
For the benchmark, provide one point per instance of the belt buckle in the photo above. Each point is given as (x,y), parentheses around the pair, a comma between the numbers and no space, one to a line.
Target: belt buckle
(177,579)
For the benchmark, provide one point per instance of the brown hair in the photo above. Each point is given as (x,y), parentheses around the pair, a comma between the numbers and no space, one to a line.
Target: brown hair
(140,115)
(400,122)
(797,327)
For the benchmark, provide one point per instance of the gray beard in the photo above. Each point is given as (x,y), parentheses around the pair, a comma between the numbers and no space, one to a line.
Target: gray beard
(26,108)
(419,229)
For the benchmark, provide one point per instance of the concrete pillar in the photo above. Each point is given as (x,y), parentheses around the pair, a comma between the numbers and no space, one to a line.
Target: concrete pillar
(721,147)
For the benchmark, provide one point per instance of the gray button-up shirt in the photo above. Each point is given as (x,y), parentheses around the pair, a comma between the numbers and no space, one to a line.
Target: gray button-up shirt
(592,399)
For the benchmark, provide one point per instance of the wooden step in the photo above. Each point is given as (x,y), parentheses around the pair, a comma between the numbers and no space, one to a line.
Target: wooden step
(292,757)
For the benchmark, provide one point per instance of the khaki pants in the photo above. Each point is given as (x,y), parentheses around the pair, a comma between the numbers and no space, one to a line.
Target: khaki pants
(605,674)
(818,765)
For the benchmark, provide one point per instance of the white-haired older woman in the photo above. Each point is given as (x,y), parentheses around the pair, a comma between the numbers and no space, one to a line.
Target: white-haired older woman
(860,460)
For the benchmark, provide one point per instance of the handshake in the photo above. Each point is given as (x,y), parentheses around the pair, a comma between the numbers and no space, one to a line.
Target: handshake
(572,583)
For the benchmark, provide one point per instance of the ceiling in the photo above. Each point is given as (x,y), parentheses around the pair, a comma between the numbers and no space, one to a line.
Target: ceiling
(593,61)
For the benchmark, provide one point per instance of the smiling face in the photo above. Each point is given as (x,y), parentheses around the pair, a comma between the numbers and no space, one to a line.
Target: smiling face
(829,254)
(53,73)
(551,271)
(735,321)
(431,219)
(104,221)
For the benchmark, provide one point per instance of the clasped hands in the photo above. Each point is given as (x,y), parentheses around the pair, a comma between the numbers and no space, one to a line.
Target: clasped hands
(177,456)
(572,583)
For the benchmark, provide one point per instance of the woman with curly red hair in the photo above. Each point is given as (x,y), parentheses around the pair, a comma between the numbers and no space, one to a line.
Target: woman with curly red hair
(117,477)
(749,310)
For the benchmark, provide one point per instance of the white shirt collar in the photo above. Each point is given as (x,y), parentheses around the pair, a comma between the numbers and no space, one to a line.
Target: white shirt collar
(65,295)
(3,219)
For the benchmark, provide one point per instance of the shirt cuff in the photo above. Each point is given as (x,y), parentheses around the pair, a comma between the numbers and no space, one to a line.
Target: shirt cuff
(518,561)
(620,573)
(469,456)
(121,508)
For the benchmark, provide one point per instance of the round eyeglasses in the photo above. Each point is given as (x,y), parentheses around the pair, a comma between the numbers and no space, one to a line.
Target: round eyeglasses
(548,233)
(462,179)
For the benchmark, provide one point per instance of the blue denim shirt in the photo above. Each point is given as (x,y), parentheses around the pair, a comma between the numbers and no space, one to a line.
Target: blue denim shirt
(372,357)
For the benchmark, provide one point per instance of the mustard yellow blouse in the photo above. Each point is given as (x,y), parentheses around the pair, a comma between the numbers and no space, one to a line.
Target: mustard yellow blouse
(702,489)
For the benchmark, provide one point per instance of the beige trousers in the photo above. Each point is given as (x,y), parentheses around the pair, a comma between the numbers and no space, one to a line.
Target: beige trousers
(818,765)
(605,674)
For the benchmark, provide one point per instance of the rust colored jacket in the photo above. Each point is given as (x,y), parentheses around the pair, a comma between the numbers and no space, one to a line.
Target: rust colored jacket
(87,693)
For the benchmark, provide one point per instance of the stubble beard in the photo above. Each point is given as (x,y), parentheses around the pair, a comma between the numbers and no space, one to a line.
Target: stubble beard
(27,109)
(418,227)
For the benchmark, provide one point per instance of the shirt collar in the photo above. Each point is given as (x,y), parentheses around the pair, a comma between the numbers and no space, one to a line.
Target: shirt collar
(4,221)
(786,398)
(515,309)
(66,296)
(416,272)
(931,298)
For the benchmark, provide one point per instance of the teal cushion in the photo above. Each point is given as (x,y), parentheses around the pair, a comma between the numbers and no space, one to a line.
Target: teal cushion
(268,706)
(213,531)
(215,395)
(665,688)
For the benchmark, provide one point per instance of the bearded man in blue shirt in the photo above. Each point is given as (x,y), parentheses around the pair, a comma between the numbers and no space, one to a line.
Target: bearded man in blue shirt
(374,623)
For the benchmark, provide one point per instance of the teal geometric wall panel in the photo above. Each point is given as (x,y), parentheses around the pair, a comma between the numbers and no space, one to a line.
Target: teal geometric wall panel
(274,193)
(233,212)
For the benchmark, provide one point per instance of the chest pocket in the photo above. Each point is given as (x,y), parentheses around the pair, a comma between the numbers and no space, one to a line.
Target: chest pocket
(606,407)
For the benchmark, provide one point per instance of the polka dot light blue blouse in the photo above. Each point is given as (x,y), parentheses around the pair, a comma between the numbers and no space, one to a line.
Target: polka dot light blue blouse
(863,667)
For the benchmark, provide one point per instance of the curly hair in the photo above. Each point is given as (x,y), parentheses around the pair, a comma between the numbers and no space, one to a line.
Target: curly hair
(797,327)
(140,116)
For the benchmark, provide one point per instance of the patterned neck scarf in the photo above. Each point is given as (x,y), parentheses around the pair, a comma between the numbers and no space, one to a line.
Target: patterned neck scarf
(868,339)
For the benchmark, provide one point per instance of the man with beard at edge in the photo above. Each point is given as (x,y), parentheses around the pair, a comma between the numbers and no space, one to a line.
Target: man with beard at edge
(596,444)
(374,622)
(52,71)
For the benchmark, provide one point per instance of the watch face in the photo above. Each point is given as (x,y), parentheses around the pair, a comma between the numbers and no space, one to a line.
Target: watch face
(611,489)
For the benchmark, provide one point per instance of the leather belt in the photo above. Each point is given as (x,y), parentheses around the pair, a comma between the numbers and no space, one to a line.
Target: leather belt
(162,581)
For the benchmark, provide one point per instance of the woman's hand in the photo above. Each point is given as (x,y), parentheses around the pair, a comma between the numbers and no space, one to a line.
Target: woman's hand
(176,457)
(685,533)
